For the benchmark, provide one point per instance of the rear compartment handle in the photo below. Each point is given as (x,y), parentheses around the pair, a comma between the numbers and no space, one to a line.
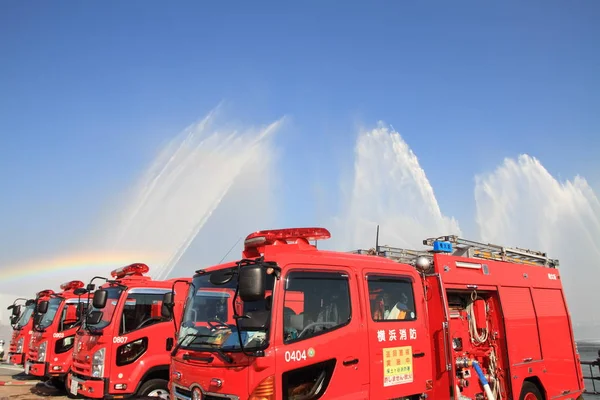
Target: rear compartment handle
(418,355)
(350,362)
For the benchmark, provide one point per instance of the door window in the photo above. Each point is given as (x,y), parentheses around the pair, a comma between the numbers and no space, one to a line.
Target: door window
(141,310)
(315,303)
(391,298)
(70,317)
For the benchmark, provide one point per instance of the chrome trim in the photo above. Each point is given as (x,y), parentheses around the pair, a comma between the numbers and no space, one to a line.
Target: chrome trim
(148,291)
(177,396)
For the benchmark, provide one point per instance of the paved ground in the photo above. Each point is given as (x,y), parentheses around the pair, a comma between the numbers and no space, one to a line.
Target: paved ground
(16,385)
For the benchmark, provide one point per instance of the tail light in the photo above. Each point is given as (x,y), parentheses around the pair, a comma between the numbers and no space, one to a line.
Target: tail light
(265,390)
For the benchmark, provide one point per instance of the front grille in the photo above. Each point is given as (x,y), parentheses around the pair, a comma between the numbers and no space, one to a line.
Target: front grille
(82,368)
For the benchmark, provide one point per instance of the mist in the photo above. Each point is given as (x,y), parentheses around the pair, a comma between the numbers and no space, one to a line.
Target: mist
(522,204)
(389,188)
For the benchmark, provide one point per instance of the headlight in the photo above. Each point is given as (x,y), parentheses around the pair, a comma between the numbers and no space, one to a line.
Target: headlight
(42,352)
(98,364)
(20,345)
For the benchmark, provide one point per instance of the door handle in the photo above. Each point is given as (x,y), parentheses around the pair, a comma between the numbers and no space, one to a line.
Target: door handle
(350,362)
(418,355)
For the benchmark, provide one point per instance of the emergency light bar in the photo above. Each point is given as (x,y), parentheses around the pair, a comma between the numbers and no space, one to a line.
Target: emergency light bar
(271,236)
(138,269)
(442,247)
(72,285)
(46,292)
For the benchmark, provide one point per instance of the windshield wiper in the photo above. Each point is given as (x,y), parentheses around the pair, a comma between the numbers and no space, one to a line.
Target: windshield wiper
(225,357)
(180,342)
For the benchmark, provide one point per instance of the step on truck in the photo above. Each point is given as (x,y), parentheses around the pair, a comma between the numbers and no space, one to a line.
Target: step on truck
(51,345)
(22,320)
(463,320)
(123,348)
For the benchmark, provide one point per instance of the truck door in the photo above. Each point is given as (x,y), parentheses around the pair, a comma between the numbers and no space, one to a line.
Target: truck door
(322,347)
(142,337)
(399,343)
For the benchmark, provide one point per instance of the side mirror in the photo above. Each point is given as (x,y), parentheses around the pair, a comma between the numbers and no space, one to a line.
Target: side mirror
(42,307)
(252,282)
(94,317)
(100,298)
(16,311)
(166,310)
(13,319)
(80,291)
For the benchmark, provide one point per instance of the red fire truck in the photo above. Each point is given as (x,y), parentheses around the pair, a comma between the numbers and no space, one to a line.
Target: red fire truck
(464,320)
(51,345)
(124,346)
(23,320)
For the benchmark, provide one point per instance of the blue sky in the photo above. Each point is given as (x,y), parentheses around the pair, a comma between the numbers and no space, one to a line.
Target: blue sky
(90,90)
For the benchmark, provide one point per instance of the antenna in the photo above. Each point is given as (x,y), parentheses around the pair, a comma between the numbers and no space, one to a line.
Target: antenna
(226,254)
(377,241)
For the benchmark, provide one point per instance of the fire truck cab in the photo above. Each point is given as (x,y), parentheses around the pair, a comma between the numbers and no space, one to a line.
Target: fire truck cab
(22,320)
(123,347)
(465,320)
(53,335)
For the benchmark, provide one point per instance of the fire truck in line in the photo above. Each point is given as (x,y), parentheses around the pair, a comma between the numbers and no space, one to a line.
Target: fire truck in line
(51,344)
(22,321)
(464,320)
(123,348)
(19,318)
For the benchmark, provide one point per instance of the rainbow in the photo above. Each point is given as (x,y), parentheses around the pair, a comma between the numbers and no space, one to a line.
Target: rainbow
(75,262)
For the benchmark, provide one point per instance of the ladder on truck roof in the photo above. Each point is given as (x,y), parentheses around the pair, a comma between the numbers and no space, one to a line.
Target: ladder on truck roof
(473,249)
(404,256)
(464,248)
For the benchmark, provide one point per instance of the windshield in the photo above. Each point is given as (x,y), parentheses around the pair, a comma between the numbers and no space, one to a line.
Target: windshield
(48,317)
(25,316)
(114,293)
(208,318)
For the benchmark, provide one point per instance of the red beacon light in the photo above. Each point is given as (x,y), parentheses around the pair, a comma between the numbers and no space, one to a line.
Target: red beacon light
(45,293)
(138,269)
(283,236)
(72,285)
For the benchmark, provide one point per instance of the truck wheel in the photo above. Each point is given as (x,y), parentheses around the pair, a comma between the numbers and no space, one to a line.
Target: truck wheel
(155,388)
(530,392)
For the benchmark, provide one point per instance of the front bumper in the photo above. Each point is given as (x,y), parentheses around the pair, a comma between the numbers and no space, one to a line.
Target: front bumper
(87,387)
(92,388)
(16,358)
(37,368)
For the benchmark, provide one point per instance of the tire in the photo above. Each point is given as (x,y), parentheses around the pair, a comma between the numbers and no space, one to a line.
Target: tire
(155,388)
(530,392)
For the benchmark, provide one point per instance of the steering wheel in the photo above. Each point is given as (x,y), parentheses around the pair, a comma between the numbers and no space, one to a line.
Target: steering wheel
(219,324)
(307,327)
(145,322)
